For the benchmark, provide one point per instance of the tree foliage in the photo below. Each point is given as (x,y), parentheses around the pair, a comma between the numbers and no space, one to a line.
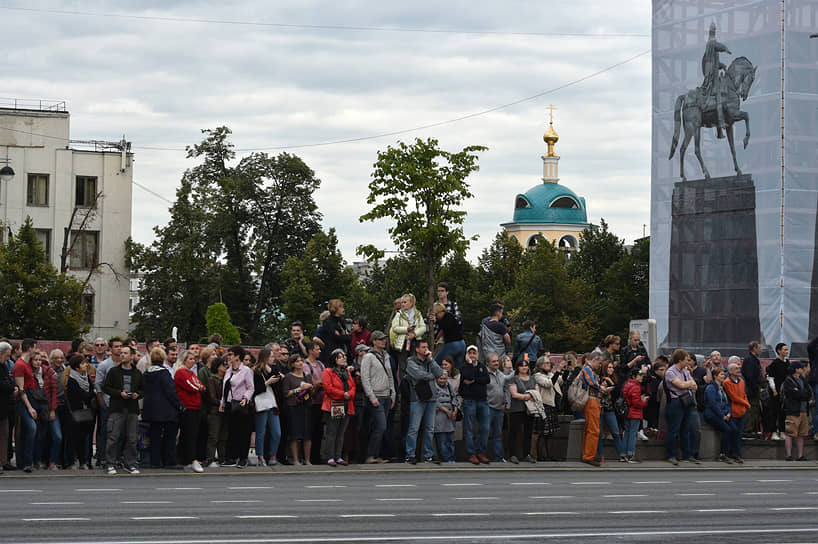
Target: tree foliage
(231,230)
(421,188)
(35,300)
(218,321)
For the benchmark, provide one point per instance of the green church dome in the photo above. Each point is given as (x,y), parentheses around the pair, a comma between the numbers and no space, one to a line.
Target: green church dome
(550,203)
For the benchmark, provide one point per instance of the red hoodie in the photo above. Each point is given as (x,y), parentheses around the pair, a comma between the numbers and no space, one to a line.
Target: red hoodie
(188,388)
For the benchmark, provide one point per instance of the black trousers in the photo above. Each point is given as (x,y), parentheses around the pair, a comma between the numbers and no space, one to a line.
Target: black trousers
(239,427)
(188,435)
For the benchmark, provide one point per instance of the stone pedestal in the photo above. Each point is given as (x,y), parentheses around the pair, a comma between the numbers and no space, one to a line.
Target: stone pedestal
(713,266)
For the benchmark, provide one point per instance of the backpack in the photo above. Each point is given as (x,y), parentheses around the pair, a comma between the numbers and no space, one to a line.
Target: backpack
(577,395)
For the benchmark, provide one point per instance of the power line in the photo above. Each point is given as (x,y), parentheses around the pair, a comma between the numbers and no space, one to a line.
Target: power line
(151,191)
(386,134)
(295,26)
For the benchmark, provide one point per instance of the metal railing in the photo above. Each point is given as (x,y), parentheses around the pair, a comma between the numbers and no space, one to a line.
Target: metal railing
(33,104)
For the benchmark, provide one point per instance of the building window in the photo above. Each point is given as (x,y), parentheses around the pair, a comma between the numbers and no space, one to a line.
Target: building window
(521,202)
(84,250)
(565,202)
(37,190)
(86,191)
(534,240)
(44,236)
(87,301)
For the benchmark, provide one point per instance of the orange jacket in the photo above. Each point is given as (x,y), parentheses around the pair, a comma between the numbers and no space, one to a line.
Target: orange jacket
(738,397)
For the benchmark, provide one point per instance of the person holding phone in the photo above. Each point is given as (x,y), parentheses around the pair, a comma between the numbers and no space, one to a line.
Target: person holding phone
(125,385)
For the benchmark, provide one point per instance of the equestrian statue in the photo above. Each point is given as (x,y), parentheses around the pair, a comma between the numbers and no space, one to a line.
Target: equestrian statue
(716,104)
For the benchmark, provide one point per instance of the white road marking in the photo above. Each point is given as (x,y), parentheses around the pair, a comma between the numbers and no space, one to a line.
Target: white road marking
(552,497)
(459,514)
(458,485)
(550,513)
(178,488)
(500,537)
(638,512)
(367,516)
(773,481)
(400,499)
(54,503)
(56,519)
(104,490)
(695,494)
(242,488)
(266,516)
(811,493)
(319,500)
(145,502)
(715,481)
(322,486)
(784,508)
(395,485)
(764,493)
(621,496)
(722,510)
(237,502)
(163,518)
(21,490)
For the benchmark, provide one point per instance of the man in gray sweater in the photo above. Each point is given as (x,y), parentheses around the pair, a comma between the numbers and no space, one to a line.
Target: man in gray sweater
(421,371)
(379,386)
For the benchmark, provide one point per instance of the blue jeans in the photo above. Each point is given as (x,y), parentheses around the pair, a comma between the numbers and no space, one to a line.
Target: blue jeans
(631,429)
(456,349)
(476,409)
(609,419)
(51,434)
(738,432)
(815,413)
(378,416)
(726,429)
(421,412)
(445,445)
(268,434)
(678,429)
(102,435)
(496,418)
(28,433)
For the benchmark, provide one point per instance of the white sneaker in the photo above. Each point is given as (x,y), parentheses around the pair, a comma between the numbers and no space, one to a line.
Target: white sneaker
(111,470)
(641,435)
(132,470)
(777,436)
(196,466)
(214,464)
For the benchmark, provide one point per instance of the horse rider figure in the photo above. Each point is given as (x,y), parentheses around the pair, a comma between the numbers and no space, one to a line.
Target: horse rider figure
(711,68)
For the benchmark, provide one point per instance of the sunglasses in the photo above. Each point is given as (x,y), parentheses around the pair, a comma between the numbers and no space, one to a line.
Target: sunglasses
(100,345)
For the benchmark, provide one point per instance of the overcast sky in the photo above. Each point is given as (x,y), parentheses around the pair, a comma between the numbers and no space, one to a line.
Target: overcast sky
(160,82)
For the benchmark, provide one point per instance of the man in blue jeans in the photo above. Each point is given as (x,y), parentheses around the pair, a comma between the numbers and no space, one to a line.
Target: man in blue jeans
(379,387)
(474,380)
(421,371)
(495,394)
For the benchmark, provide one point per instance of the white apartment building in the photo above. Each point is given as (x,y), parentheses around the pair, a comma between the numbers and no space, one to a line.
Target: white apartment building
(55,177)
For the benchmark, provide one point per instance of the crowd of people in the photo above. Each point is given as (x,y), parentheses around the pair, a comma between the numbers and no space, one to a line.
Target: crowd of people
(402,394)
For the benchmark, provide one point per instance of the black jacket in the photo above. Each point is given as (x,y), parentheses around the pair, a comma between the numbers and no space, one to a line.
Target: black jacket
(812,353)
(114,383)
(332,325)
(477,390)
(6,389)
(793,396)
(77,398)
(751,372)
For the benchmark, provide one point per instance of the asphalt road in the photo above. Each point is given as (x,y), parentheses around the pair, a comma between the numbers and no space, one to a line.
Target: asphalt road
(415,505)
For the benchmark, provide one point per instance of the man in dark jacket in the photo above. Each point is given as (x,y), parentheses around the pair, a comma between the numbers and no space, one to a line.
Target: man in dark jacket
(753,380)
(124,384)
(778,370)
(797,395)
(6,390)
(421,371)
(474,380)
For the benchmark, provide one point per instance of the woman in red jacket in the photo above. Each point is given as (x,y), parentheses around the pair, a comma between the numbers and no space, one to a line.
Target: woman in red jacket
(632,393)
(189,390)
(339,403)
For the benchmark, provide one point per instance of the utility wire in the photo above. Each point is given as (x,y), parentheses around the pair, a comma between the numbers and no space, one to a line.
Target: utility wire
(151,191)
(318,27)
(385,134)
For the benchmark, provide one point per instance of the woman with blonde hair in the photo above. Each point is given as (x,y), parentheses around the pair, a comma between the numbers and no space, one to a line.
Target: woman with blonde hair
(407,327)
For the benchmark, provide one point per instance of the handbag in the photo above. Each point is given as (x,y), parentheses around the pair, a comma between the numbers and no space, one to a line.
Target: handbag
(83,416)
(620,406)
(303,397)
(265,401)
(423,389)
(686,399)
(337,409)
(236,408)
(39,401)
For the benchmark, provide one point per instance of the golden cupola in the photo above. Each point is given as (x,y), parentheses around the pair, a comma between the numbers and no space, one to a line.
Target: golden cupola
(550,160)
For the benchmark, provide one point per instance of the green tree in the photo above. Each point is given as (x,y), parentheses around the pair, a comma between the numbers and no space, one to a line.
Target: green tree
(35,300)
(218,321)
(422,188)
(599,248)
(546,293)
(625,292)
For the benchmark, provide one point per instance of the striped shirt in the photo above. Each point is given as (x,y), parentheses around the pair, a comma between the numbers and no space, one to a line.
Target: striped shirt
(590,382)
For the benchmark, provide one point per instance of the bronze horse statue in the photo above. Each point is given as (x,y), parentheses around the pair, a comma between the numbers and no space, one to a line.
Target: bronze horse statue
(699,111)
